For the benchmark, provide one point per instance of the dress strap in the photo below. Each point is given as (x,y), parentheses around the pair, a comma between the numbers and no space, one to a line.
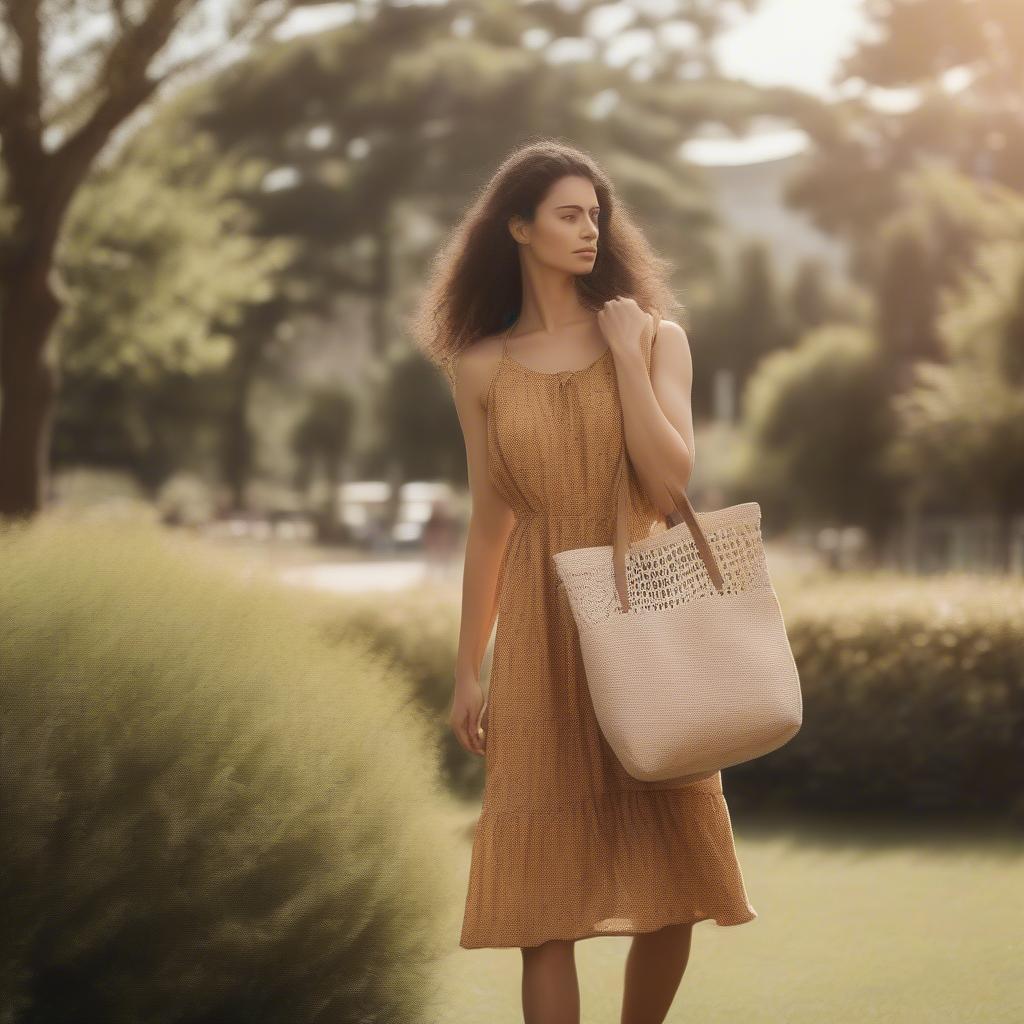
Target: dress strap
(504,339)
(502,360)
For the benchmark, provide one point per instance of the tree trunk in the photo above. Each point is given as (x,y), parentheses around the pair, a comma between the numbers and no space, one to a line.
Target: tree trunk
(236,451)
(1004,539)
(29,382)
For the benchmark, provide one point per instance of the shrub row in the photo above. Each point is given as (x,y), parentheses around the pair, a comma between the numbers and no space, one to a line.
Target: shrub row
(913,691)
(913,697)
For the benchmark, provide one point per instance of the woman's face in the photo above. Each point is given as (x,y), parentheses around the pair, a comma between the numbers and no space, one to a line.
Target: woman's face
(563,234)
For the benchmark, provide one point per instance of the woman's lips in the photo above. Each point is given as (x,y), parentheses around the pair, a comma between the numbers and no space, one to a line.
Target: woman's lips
(586,252)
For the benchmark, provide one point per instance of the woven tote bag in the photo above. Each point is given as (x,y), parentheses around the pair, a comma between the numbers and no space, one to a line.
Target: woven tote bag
(684,646)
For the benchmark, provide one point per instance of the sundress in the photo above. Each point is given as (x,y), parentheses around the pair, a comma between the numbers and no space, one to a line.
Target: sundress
(568,845)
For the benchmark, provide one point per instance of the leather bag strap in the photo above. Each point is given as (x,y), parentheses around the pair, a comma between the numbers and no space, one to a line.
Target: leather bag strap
(682,511)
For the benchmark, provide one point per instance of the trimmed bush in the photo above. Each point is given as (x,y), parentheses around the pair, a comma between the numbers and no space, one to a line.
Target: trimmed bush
(913,698)
(913,691)
(209,814)
(418,630)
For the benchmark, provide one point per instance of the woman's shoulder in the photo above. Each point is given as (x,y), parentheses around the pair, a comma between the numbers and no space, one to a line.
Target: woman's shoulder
(666,328)
(476,365)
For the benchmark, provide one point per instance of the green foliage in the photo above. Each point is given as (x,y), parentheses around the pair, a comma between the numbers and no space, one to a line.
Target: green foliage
(906,289)
(751,312)
(417,628)
(962,439)
(411,109)
(982,315)
(387,123)
(816,422)
(962,423)
(913,690)
(209,814)
(927,247)
(412,106)
(913,698)
(160,262)
(320,439)
(864,150)
(322,434)
(419,425)
(747,318)
(814,299)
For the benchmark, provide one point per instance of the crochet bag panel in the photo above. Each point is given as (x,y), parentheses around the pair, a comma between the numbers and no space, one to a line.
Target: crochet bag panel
(666,570)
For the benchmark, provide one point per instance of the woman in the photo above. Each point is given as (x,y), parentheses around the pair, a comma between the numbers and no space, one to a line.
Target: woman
(541,309)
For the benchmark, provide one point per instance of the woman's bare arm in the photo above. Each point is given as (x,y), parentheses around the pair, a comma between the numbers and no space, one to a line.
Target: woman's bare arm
(490,523)
(657,413)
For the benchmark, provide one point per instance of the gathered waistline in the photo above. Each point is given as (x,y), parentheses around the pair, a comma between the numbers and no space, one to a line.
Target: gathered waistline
(598,518)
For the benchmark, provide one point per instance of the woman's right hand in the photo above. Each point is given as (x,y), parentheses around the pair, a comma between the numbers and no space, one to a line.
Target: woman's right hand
(468,713)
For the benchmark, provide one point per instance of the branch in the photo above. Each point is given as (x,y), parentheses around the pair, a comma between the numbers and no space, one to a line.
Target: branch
(122,83)
(123,21)
(20,127)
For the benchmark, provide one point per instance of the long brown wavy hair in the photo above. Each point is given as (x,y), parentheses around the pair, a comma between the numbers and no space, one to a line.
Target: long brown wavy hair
(475,285)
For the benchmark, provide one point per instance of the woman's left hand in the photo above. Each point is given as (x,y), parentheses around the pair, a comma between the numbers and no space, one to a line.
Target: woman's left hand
(623,323)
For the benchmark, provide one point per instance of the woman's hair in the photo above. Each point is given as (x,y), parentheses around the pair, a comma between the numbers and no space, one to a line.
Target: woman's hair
(475,285)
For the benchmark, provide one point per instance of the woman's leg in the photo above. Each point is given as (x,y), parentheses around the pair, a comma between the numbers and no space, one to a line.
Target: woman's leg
(654,968)
(551,990)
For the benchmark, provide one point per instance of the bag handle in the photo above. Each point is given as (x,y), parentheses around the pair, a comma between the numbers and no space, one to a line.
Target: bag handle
(682,511)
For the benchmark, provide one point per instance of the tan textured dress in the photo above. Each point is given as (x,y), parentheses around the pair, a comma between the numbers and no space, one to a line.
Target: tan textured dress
(568,845)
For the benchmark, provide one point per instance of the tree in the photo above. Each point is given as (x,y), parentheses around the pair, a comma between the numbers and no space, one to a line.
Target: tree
(961,440)
(747,319)
(380,129)
(809,298)
(956,65)
(78,97)
(161,267)
(321,439)
(816,425)
(404,100)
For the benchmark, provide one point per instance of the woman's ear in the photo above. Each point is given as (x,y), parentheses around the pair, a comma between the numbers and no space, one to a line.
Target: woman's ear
(517,229)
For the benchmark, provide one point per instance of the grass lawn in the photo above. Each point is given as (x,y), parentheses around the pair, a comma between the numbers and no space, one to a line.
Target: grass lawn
(859,922)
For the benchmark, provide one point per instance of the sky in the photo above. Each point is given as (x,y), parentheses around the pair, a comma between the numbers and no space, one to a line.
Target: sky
(784,42)
(797,43)
(792,42)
